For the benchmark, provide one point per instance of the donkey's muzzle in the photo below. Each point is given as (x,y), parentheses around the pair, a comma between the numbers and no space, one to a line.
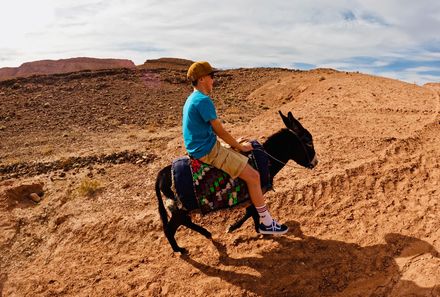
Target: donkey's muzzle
(313,163)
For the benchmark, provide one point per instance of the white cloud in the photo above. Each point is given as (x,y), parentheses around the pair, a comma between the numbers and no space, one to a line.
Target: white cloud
(410,77)
(228,33)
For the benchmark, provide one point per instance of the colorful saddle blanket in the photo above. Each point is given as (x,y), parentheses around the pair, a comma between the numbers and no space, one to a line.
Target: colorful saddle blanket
(202,186)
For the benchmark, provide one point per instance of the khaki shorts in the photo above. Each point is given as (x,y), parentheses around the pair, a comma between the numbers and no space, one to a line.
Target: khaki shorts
(226,159)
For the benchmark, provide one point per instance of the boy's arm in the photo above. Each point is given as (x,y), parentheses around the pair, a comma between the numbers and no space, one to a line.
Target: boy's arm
(223,134)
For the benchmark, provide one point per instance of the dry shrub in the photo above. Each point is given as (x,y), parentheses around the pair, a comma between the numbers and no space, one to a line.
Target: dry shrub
(46,151)
(89,187)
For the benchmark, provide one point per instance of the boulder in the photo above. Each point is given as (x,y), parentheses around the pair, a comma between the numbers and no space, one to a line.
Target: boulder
(25,192)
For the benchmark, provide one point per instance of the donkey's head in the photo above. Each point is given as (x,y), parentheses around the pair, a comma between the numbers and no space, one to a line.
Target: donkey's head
(300,144)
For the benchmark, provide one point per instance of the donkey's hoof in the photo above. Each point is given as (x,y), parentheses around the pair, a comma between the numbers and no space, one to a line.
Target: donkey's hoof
(183,251)
(230,229)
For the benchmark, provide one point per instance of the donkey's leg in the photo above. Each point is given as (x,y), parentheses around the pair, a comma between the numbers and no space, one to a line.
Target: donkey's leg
(170,231)
(241,221)
(255,217)
(187,222)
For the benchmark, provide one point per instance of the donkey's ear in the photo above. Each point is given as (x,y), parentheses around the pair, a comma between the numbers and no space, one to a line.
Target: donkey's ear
(286,120)
(296,125)
(291,117)
(292,123)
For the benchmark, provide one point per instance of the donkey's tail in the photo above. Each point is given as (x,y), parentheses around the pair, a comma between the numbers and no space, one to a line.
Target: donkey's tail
(160,181)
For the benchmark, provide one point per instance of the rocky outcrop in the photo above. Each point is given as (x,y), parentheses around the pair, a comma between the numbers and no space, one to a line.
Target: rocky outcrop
(23,192)
(36,168)
(167,64)
(63,66)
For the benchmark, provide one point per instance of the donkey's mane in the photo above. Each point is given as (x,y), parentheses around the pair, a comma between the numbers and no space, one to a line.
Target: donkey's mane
(276,136)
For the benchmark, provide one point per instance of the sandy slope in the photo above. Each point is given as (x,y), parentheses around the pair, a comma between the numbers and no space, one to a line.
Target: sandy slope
(364,223)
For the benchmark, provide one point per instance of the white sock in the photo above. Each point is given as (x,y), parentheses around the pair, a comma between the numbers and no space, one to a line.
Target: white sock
(265,217)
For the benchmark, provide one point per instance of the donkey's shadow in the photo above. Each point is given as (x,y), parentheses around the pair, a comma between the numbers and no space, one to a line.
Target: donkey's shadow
(317,267)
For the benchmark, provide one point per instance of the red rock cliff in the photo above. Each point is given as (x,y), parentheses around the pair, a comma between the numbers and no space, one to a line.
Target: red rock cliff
(63,66)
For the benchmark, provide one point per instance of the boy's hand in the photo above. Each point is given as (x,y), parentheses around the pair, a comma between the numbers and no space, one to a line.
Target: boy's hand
(246,147)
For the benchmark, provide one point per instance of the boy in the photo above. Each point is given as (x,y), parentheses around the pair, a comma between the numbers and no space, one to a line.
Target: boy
(201,127)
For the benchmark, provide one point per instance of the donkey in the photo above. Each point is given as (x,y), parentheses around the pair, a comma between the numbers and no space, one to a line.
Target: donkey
(291,143)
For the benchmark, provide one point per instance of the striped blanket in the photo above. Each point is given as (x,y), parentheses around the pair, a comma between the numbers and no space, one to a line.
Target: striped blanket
(202,186)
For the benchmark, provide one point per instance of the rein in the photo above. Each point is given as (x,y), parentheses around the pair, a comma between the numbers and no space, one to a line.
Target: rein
(272,157)
(285,163)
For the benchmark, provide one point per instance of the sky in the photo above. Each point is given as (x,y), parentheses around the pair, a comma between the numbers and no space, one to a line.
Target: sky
(393,38)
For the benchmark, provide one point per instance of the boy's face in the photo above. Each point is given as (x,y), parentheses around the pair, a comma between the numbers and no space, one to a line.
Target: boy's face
(207,83)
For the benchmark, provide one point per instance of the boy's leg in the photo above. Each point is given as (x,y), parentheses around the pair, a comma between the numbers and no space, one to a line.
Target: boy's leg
(267,224)
(236,165)
(252,179)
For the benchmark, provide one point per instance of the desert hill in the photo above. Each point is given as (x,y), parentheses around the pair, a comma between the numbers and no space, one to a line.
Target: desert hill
(62,66)
(364,222)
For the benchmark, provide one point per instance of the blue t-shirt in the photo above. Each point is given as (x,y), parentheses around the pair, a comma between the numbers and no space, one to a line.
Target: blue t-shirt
(198,136)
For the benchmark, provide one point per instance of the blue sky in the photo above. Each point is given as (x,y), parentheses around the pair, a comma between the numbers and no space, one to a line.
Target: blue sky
(393,38)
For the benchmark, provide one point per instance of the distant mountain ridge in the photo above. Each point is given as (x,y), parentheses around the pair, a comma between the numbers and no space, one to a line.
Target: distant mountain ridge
(63,66)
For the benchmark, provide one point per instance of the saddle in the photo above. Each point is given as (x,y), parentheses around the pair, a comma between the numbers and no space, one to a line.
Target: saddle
(202,186)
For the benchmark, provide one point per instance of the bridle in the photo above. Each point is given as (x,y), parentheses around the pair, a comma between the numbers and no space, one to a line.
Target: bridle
(306,152)
(309,162)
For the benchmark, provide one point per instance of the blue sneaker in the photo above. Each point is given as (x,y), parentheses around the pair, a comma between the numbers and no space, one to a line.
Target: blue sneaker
(274,228)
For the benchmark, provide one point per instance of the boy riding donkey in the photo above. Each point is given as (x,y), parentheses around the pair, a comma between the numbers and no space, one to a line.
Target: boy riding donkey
(201,127)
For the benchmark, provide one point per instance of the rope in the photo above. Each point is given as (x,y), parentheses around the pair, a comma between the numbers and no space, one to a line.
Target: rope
(281,162)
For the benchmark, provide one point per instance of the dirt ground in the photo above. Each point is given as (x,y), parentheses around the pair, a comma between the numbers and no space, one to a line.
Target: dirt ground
(364,222)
